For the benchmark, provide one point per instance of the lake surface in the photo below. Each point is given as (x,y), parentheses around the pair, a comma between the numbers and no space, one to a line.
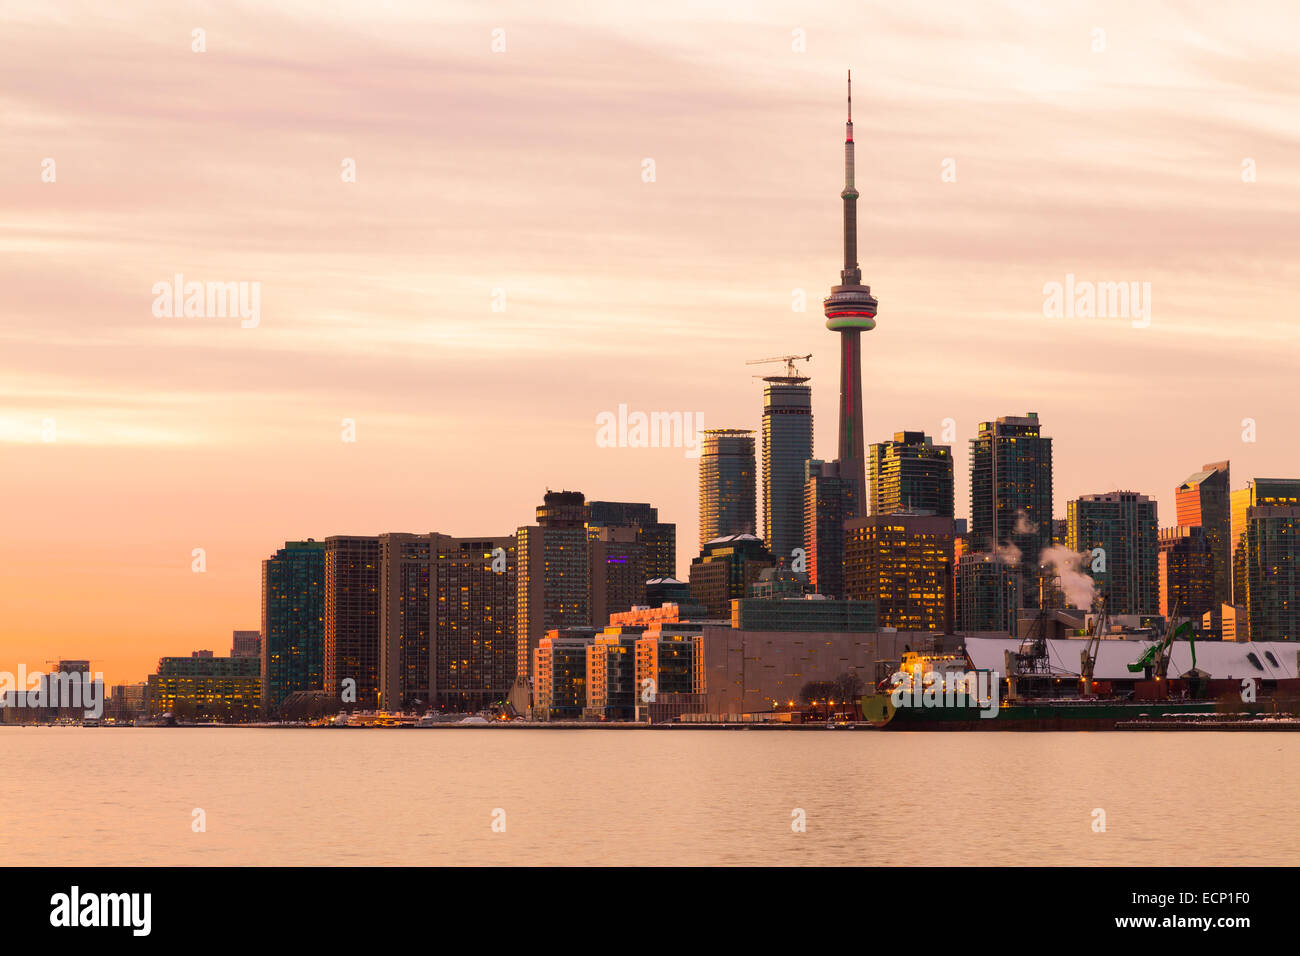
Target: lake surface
(105,796)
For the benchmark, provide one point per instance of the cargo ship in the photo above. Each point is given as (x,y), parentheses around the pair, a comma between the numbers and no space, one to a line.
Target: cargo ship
(1011,685)
(880,711)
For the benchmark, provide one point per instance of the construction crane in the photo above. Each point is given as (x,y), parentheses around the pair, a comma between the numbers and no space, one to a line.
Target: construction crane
(789,360)
(1088,656)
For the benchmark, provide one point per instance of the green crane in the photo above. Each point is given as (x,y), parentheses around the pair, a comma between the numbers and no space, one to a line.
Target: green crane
(1156,657)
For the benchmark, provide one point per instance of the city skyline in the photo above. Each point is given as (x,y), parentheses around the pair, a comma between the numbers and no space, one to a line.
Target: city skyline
(200,434)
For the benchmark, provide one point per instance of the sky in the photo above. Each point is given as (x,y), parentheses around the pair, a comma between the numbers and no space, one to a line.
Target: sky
(477,226)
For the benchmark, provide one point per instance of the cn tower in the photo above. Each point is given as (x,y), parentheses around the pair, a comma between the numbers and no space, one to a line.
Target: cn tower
(850,311)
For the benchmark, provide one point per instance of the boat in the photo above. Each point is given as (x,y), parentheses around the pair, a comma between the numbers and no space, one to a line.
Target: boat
(941,692)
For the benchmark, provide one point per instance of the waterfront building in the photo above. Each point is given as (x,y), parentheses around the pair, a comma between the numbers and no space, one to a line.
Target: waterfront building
(669,671)
(1123,525)
(911,473)
(447,627)
(203,687)
(754,671)
(128,701)
(611,673)
(560,674)
(293,621)
(352,620)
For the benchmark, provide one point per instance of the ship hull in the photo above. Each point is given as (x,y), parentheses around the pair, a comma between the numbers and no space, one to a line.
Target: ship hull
(880,712)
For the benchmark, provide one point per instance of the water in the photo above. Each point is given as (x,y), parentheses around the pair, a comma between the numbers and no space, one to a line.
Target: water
(360,797)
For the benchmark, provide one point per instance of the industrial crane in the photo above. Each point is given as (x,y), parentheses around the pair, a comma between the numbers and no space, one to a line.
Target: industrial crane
(1088,657)
(1155,660)
(789,360)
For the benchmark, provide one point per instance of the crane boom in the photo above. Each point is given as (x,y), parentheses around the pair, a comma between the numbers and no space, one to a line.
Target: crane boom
(789,361)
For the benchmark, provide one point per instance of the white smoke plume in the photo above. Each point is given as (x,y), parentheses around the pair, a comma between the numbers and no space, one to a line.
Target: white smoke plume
(1079,588)
(1023,524)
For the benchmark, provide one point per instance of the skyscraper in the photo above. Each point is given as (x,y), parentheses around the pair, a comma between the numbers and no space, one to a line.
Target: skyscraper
(727,495)
(1264,558)
(1258,492)
(787,445)
(911,473)
(553,583)
(293,621)
(1011,492)
(826,505)
(352,619)
(1273,572)
(1123,524)
(447,625)
(851,310)
(1204,500)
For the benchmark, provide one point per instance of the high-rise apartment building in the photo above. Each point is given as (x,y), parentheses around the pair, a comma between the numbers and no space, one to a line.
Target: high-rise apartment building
(727,488)
(352,620)
(904,564)
(787,446)
(1272,559)
(447,624)
(911,473)
(827,503)
(1011,490)
(554,578)
(985,594)
(293,621)
(1259,492)
(1123,525)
